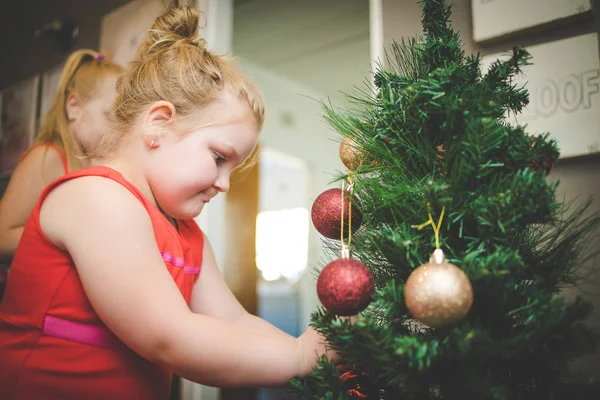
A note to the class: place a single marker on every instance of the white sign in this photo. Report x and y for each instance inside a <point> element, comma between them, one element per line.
<point>564,93</point>
<point>495,18</point>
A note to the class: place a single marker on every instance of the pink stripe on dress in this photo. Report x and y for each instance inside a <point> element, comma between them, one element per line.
<point>78,332</point>
<point>179,262</point>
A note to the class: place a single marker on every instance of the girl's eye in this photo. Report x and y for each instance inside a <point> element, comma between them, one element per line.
<point>219,159</point>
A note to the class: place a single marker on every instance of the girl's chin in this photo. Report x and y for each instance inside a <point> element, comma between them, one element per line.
<point>189,212</point>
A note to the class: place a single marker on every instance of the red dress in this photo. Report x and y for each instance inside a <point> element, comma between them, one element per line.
<point>52,343</point>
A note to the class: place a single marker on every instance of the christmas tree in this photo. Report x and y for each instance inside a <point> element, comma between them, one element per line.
<point>437,169</point>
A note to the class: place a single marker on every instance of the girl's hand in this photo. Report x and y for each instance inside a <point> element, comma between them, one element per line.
<point>312,346</point>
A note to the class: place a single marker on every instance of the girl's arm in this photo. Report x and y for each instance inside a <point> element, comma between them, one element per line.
<point>212,297</point>
<point>109,235</point>
<point>38,168</point>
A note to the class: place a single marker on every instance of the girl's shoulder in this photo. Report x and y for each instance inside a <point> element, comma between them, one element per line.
<point>48,156</point>
<point>41,163</point>
<point>87,203</point>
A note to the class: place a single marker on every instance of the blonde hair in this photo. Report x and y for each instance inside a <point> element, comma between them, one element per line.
<point>173,64</point>
<point>81,74</point>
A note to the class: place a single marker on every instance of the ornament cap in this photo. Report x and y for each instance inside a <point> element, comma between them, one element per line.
<point>345,252</point>
<point>437,257</point>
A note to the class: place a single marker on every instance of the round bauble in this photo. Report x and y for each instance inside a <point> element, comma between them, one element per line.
<point>345,287</point>
<point>351,154</point>
<point>438,293</point>
<point>326,214</point>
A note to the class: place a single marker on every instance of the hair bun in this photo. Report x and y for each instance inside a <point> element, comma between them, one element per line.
<point>177,25</point>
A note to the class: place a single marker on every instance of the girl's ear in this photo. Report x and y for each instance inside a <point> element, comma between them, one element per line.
<point>73,107</point>
<point>157,116</point>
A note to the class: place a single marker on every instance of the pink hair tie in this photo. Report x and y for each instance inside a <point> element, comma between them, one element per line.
<point>99,57</point>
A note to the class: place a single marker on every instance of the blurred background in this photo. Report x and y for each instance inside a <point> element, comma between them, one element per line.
<point>302,54</point>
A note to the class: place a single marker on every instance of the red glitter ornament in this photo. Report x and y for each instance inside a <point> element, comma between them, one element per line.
<point>345,286</point>
<point>326,214</point>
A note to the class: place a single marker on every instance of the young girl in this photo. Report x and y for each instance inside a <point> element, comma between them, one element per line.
<point>113,287</point>
<point>86,91</point>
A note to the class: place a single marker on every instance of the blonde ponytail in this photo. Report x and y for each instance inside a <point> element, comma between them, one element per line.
<point>81,74</point>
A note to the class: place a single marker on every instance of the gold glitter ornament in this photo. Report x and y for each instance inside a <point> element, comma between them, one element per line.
<point>351,154</point>
<point>438,293</point>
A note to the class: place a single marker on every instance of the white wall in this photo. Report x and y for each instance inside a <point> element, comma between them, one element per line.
<point>320,44</point>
